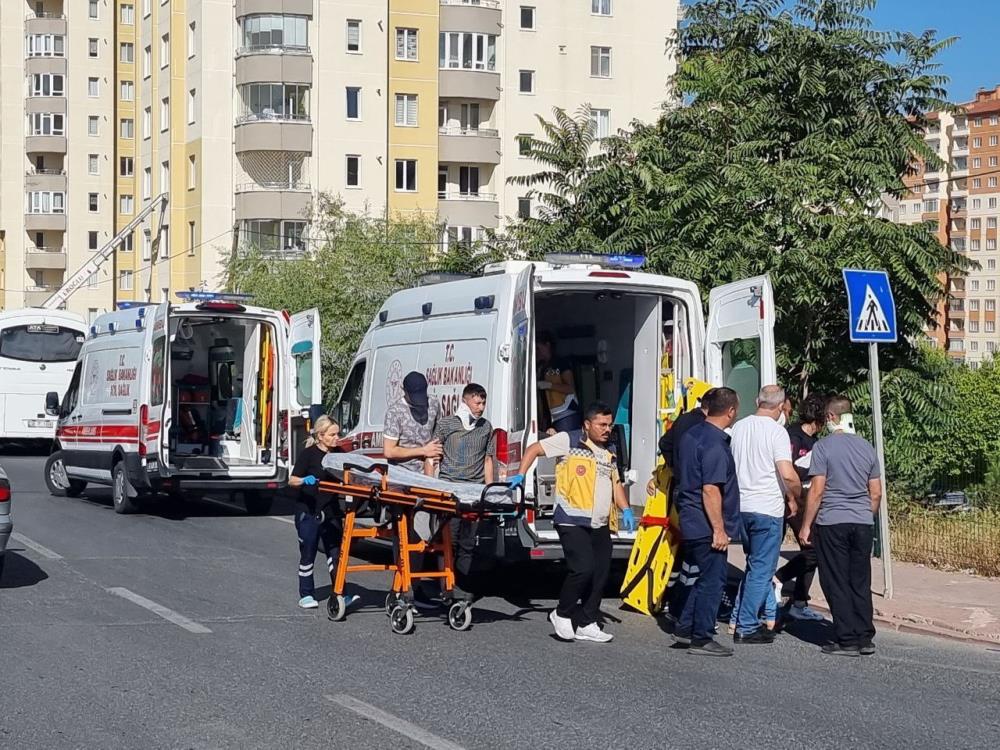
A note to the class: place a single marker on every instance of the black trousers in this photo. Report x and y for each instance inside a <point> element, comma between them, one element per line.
<point>316,532</point>
<point>845,574</point>
<point>588,557</point>
<point>463,544</point>
<point>701,607</point>
<point>802,567</point>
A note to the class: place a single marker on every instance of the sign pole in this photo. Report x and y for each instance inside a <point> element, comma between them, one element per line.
<point>883,508</point>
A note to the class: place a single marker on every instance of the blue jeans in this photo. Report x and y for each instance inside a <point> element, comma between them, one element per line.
<point>761,536</point>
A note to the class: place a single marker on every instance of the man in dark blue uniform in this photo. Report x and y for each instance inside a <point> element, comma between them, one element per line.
<point>708,501</point>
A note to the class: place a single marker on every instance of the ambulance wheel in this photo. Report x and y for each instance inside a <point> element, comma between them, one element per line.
<point>336,607</point>
<point>123,496</point>
<point>401,619</point>
<point>56,480</point>
<point>391,600</point>
<point>258,503</point>
<point>460,616</point>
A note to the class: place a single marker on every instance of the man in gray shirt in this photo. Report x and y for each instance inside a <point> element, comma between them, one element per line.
<point>839,519</point>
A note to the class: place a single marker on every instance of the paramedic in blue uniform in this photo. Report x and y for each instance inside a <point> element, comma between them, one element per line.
<point>317,525</point>
<point>587,488</point>
<point>708,502</point>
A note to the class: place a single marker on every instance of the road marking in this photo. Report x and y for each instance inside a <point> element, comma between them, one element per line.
<point>158,609</point>
<point>400,726</point>
<point>32,545</point>
<point>283,519</point>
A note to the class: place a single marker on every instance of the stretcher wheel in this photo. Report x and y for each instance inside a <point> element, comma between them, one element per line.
<point>401,619</point>
<point>391,600</point>
<point>460,616</point>
<point>336,608</point>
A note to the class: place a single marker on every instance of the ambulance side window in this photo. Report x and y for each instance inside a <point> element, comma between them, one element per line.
<point>349,408</point>
<point>519,359</point>
<point>741,371</point>
<point>158,371</point>
<point>70,399</point>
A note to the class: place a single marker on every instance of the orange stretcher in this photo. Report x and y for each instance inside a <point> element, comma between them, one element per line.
<point>400,504</point>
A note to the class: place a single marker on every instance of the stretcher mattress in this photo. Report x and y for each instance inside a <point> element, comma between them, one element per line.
<point>402,479</point>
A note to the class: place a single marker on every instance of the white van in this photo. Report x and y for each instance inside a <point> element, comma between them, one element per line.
<point>200,396</point>
<point>38,350</point>
<point>622,331</point>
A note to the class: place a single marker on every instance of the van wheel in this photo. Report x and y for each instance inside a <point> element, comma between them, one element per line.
<point>123,495</point>
<point>58,483</point>
<point>258,503</point>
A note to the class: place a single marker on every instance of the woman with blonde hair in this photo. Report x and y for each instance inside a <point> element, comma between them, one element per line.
<point>317,524</point>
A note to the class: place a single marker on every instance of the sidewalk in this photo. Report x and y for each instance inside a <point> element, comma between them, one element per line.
<point>933,602</point>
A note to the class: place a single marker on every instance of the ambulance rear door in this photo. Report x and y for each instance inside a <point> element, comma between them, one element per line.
<point>155,428</point>
<point>739,341</point>
<point>522,423</point>
<point>305,373</point>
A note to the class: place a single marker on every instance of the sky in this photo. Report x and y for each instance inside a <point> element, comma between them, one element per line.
<point>972,61</point>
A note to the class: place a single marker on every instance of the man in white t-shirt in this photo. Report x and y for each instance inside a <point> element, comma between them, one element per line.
<point>766,476</point>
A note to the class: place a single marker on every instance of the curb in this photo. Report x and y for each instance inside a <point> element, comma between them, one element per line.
<point>922,626</point>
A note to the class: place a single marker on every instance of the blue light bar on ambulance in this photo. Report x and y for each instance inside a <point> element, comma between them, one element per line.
<point>193,296</point>
<point>634,262</point>
<point>140,306</point>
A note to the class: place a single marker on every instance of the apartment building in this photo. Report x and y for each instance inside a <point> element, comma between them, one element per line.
<point>56,135</point>
<point>963,198</point>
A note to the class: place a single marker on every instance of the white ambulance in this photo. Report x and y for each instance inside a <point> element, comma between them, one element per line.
<point>201,396</point>
<point>628,336</point>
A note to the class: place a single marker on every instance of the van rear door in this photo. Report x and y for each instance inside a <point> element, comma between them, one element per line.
<point>739,341</point>
<point>305,381</point>
<point>522,422</point>
<point>154,431</point>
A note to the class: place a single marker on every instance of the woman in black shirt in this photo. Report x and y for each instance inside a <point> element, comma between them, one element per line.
<point>317,519</point>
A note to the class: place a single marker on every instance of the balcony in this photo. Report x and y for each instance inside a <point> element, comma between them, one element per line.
<point>468,145</point>
<point>274,64</point>
<point>469,209</point>
<point>45,222</point>
<point>961,147</point>
<point>45,179</point>
<point>287,7</point>
<point>34,65</point>
<point>274,132</point>
<point>481,17</point>
<point>45,23</point>
<point>45,144</point>
<point>35,296</point>
<point>273,200</point>
<point>45,259</point>
<point>458,83</point>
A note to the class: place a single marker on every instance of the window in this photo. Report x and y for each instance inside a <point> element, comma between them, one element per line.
<point>163,251</point>
<point>269,101</point>
<point>600,62</point>
<point>353,35</point>
<point>976,182</point>
<point>991,202</point>
<point>126,204</point>
<point>991,265</point>
<point>977,142</point>
<point>974,245</point>
<point>191,101</point>
<point>601,119</point>
<point>600,7</point>
<point>406,44</point>
<point>127,91</point>
<point>164,50</point>
<point>125,281</point>
<point>145,8</point>
<point>147,61</point>
<point>164,113</point>
<point>147,117</point>
<point>147,183</point>
<point>353,103</point>
<point>991,222</point>
<point>46,123</point>
<point>993,140</point>
<point>527,18</point>
<point>126,166</point>
<point>275,31</point>
<point>353,171</point>
<point>93,125</point>
<point>990,326</point>
<point>92,241</point>
<point>930,206</point>
<point>192,239</point>
<point>956,345</point>
<point>524,208</point>
<point>973,326</point>
<point>990,305</point>
<point>994,119</point>
<point>147,245</point>
<point>442,114</point>
<point>442,181</point>
<point>975,223</point>
<point>406,110</point>
<point>469,116</point>
<point>126,53</point>
<point>128,15</point>
<point>993,161</point>
<point>349,409</point>
<point>991,346</point>
<point>526,81</point>
<point>274,236</point>
<point>192,172</point>
<point>467,50</point>
<point>524,144</point>
<point>468,180</point>
<point>992,182</point>
<point>406,175</point>
<point>93,164</point>
<point>48,84</point>
<point>46,202</point>
<point>46,45</point>
<point>977,163</point>
<point>978,122</point>
<point>974,285</point>
<point>126,128</point>
<point>164,176</point>
<point>92,47</point>
<point>991,244</point>
<point>92,203</point>
<point>976,203</point>
<point>92,12</point>
<point>973,305</point>
<point>991,285</point>
<point>192,39</point>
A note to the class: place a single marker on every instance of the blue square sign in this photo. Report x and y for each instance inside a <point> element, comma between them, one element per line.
<point>870,307</point>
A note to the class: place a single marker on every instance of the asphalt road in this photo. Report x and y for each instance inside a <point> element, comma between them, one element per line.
<point>230,662</point>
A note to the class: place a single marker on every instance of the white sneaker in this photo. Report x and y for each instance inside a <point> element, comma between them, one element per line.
<point>563,626</point>
<point>777,595</point>
<point>307,602</point>
<point>804,612</point>
<point>593,633</point>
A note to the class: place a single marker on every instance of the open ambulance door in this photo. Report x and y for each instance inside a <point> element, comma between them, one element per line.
<point>739,341</point>
<point>155,424</point>
<point>523,420</point>
<point>305,381</point>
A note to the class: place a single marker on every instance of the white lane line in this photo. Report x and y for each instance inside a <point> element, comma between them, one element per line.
<point>401,726</point>
<point>283,519</point>
<point>35,546</point>
<point>158,609</point>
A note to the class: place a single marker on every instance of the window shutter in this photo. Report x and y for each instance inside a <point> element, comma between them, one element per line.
<point>353,36</point>
<point>411,45</point>
<point>400,42</point>
<point>411,110</point>
<point>400,109</point>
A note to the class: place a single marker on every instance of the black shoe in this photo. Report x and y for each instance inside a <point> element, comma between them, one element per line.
<point>710,648</point>
<point>835,649</point>
<point>761,635</point>
<point>682,638</point>
<point>867,649</point>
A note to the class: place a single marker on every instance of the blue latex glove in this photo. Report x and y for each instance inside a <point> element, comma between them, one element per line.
<point>628,522</point>
<point>516,481</point>
<point>310,480</point>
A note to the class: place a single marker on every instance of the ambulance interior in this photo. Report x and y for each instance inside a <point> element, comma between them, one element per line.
<point>629,350</point>
<point>222,394</point>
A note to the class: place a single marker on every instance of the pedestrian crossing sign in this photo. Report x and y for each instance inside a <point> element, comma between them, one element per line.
<point>871,309</point>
